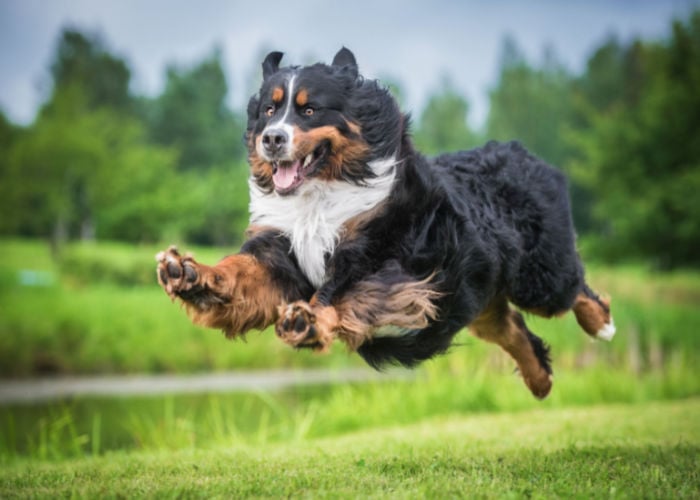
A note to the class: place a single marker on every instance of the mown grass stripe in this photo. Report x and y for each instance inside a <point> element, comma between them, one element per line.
<point>639,451</point>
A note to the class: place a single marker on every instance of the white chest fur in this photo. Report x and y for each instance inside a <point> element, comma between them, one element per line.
<point>312,217</point>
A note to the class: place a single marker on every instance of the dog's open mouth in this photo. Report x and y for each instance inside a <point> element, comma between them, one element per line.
<point>289,175</point>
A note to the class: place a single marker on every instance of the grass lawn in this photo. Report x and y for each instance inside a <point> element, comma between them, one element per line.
<point>622,419</point>
<point>626,451</point>
<point>98,309</point>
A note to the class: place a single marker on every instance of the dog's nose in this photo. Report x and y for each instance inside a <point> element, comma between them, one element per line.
<point>274,140</point>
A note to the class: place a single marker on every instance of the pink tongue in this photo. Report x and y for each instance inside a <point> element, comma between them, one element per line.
<point>285,175</point>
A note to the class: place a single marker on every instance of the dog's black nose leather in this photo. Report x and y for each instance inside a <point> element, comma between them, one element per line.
<point>274,140</point>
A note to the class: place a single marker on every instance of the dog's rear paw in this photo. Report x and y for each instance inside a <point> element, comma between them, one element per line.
<point>539,386</point>
<point>297,326</point>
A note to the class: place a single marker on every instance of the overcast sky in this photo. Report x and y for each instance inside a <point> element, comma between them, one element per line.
<point>415,43</point>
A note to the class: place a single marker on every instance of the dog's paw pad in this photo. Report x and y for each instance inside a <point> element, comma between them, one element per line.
<point>297,326</point>
<point>176,274</point>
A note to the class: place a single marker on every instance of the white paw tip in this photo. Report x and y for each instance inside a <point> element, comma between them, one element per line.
<point>607,332</point>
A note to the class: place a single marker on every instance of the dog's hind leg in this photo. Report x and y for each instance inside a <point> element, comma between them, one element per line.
<point>501,325</point>
<point>593,314</point>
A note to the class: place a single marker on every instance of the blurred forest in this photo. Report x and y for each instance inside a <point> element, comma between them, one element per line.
<point>102,163</point>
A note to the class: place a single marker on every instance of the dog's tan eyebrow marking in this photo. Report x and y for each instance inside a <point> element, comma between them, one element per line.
<point>277,95</point>
<point>302,98</point>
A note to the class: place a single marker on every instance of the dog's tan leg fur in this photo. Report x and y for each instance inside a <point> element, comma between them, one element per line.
<point>594,316</point>
<point>236,295</point>
<point>499,324</point>
<point>356,315</point>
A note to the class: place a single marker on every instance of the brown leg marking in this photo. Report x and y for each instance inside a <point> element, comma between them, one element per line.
<point>372,304</point>
<point>501,325</point>
<point>235,295</point>
<point>354,318</point>
<point>593,315</point>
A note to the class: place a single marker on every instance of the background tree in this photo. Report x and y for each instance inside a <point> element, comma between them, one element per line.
<point>9,187</point>
<point>531,105</point>
<point>192,116</point>
<point>85,160</point>
<point>443,123</point>
<point>88,173</point>
<point>642,155</point>
<point>535,106</point>
<point>100,162</point>
<point>603,83</point>
<point>83,60</point>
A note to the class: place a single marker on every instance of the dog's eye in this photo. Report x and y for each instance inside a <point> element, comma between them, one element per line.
<point>308,111</point>
<point>269,111</point>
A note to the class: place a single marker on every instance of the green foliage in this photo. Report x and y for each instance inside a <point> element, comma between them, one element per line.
<point>399,430</point>
<point>88,265</point>
<point>102,312</point>
<point>98,309</point>
<point>86,171</point>
<point>191,115</point>
<point>443,123</point>
<point>613,76</point>
<point>531,105</point>
<point>534,105</point>
<point>218,211</point>
<point>99,162</point>
<point>81,58</point>
<point>90,167</point>
<point>636,451</point>
<point>9,134</point>
<point>641,154</point>
<point>626,131</point>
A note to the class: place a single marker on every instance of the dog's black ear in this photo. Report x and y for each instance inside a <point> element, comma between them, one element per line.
<point>271,63</point>
<point>346,60</point>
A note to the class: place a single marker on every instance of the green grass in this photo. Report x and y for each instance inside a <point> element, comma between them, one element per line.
<point>100,311</point>
<point>636,451</point>
<point>75,325</point>
<point>95,426</point>
<point>464,426</point>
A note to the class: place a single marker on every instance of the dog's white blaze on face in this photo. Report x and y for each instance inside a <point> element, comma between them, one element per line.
<point>313,217</point>
<point>281,123</point>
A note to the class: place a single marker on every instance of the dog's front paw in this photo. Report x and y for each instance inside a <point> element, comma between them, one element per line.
<point>177,274</point>
<point>182,277</point>
<point>298,326</point>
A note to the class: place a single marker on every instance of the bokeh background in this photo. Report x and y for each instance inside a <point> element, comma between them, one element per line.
<point>121,129</point>
<point>110,109</point>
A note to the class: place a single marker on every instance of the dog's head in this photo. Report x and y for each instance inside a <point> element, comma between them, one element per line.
<point>318,122</point>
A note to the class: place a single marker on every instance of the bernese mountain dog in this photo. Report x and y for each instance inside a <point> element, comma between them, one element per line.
<point>354,235</point>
